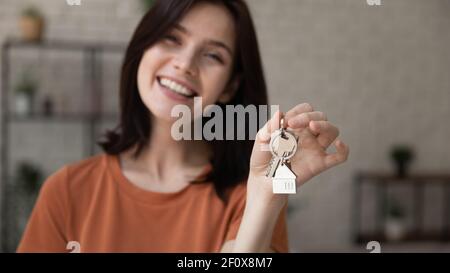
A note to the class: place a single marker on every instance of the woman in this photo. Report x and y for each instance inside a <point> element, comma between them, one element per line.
<point>150,193</point>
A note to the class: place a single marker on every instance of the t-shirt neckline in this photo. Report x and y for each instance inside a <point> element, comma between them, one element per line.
<point>146,196</point>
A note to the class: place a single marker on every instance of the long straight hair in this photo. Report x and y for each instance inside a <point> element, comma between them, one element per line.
<point>231,159</point>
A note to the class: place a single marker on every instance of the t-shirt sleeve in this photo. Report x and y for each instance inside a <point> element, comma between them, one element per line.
<point>47,225</point>
<point>280,234</point>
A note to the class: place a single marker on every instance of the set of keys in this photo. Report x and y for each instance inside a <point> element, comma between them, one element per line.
<point>283,146</point>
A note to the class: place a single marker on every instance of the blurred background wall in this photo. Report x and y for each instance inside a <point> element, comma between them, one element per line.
<point>381,73</point>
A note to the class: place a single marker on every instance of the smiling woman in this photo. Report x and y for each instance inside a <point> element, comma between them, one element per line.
<point>194,58</point>
<point>151,193</point>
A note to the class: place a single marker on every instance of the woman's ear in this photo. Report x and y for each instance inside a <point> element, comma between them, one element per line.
<point>230,90</point>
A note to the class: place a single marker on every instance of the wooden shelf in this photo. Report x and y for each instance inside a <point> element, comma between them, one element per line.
<point>380,177</point>
<point>92,56</point>
<point>418,182</point>
<point>411,236</point>
<point>63,117</point>
<point>63,45</point>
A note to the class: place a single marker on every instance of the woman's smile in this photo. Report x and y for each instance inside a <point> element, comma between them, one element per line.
<point>176,89</point>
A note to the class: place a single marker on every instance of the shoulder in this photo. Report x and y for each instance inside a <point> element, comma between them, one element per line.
<point>88,166</point>
<point>74,177</point>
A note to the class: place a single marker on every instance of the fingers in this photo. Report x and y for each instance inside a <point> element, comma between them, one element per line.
<point>341,155</point>
<point>299,109</point>
<point>264,134</point>
<point>303,120</point>
<point>261,151</point>
<point>326,132</point>
<point>275,122</point>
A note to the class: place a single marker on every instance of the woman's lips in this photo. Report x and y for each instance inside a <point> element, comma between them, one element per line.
<point>179,86</point>
<point>173,95</point>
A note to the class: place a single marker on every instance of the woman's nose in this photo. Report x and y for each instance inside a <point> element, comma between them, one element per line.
<point>185,63</point>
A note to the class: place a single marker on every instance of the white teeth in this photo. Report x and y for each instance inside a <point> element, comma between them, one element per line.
<point>176,87</point>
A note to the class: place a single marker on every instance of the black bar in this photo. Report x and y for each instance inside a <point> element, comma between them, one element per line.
<point>179,262</point>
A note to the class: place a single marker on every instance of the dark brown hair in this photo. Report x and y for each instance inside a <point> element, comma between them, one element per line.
<point>231,159</point>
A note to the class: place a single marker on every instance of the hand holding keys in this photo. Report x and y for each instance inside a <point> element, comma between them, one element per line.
<point>298,151</point>
<point>283,145</point>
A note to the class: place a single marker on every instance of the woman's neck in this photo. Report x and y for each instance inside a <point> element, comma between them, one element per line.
<point>168,161</point>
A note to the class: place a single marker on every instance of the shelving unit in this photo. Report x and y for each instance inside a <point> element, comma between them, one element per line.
<point>417,184</point>
<point>92,82</point>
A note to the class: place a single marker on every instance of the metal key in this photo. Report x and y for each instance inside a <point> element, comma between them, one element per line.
<point>273,166</point>
<point>283,145</point>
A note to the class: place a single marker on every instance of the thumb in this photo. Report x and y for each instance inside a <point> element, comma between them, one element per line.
<point>261,154</point>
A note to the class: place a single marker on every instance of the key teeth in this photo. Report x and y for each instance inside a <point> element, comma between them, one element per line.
<point>271,170</point>
<point>269,167</point>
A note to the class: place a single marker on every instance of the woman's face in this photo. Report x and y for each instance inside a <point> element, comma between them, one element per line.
<point>194,59</point>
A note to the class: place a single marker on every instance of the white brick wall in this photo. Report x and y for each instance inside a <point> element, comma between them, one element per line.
<point>380,73</point>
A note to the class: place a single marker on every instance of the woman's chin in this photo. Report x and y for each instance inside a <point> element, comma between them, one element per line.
<point>164,111</point>
<point>162,106</point>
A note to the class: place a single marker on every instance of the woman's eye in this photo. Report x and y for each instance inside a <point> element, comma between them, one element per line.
<point>215,57</point>
<point>172,39</point>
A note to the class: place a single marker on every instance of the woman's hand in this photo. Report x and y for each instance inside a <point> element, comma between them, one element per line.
<point>315,134</point>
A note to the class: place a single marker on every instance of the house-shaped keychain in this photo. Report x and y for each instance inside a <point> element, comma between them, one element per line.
<point>284,181</point>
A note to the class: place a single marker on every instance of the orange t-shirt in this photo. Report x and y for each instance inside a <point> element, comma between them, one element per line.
<point>92,202</point>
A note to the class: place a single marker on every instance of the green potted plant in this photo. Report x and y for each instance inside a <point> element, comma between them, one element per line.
<point>28,180</point>
<point>28,177</point>
<point>25,91</point>
<point>31,24</point>
<point>402,155</point>
<point>395,225</point>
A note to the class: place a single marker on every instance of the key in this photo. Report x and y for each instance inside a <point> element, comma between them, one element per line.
<point>273,166</point>
<point>279,148</point>
<point>283,144</point>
